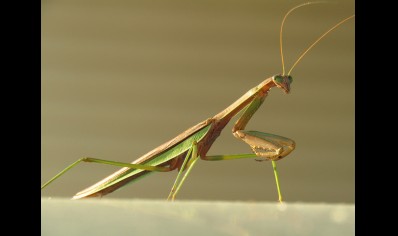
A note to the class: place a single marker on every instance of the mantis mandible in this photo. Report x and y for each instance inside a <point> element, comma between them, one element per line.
<point>183,151</point>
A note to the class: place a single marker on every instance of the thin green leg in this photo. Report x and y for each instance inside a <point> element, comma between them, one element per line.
<point>194,160</point>
<point>229,157</point>
<point>241,156</point>
<point>114,163</point>
<point>277,181</point>
<point>189,162</point>
<point>173,189</point>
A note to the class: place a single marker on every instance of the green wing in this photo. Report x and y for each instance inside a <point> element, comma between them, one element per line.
<point>175,147</point>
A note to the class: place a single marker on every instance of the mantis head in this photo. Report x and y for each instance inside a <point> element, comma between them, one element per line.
<point>283,82</point>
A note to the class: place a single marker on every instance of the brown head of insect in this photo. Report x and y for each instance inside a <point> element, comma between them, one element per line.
<point>283,82</point>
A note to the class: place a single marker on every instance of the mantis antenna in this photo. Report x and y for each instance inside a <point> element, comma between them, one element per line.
<point>313,44</point>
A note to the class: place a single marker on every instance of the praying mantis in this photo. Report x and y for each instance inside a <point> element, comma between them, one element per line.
<point>182,152</point>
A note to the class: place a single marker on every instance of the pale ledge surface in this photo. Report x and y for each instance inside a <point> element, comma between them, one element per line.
<point>158,217</point>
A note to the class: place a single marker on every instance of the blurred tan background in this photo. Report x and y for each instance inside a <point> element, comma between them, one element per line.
<point>120,78</point>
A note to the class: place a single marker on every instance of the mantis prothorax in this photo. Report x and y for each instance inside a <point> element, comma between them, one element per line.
<point>183,151</point>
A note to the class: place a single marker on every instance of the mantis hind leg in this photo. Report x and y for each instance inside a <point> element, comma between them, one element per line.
<point>114,163</point>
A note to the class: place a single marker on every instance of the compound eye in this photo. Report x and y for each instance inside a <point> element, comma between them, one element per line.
<point>278,79</point>
<point>290,79</point>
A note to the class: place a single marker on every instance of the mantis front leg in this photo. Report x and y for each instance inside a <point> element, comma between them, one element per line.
<point>270,146</point>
